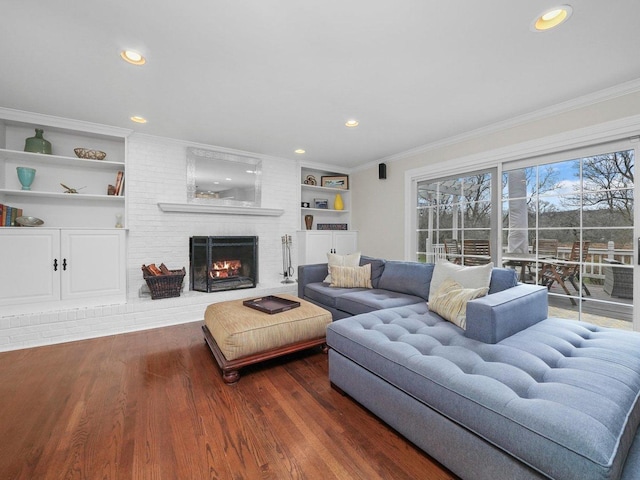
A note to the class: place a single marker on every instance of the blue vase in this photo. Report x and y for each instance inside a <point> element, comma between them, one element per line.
<point>26,175</point>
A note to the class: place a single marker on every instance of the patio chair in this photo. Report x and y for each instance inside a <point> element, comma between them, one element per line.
<point>571,271</point>
<point>618,279</point>
<point>477,252</point>
<point>452,250</point>
<point>545,249</point>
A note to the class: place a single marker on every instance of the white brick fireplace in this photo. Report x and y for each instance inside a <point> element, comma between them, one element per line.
<point>156,172</point>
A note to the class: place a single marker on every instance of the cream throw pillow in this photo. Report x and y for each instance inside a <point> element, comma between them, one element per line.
<point>351,260</point>
<point>351,277</point>
<point>468,277</point>
<point>450,301</point>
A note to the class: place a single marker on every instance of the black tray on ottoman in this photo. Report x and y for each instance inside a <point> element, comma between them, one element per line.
<point>271,304</point>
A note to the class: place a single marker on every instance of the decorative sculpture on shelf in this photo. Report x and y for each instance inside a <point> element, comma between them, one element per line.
<point>287,267</point>
<point>71,190</point>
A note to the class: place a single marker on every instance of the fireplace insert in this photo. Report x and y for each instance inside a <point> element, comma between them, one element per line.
<point>223,263</point>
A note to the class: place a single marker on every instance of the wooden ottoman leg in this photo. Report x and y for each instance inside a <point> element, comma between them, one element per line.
<point>230,376</point>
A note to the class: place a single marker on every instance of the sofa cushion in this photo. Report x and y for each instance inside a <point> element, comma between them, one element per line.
<point>450,301</point>
<point>363,301</point>
<point>351,277</point>
<point>377,267</point>
<point>467,276</point>
<point>561,396</point>
<point>350,260</point>
<point>322,294</point>
<point>412,278</point>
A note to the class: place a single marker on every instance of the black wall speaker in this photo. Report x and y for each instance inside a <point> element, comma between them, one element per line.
<point>382,171</point>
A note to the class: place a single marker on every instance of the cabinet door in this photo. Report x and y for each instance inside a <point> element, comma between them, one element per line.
<point>29,265</point>
<point>314,246</point>
<point>93,263</point>
<point>345,243</point>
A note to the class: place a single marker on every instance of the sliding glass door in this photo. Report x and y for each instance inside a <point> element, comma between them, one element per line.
<point>565,221</point>
<point>569,225</point>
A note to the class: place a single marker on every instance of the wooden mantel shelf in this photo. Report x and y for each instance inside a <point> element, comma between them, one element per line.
<point>219,209</point>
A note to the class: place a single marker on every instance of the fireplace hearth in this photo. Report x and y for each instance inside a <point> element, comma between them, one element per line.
<point>223,263</point>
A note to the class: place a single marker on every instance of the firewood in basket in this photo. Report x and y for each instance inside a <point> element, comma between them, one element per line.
<point>165,270</point>
<point>155,271</point>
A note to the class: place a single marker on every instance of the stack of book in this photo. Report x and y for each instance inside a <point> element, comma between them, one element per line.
<point>119,183</point>
<point>8,215</point>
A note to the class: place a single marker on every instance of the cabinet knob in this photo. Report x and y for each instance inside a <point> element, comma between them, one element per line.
<point>55,264</point>
<point>64,264</point>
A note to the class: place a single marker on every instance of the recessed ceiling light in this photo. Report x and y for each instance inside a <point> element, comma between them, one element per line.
<point>352,123</point>
<point>132,57</point>
<point>138,119</point>
<point>299,151</point>
<point>551,18</point>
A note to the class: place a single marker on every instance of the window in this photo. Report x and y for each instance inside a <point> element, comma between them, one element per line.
<point>455,218</point>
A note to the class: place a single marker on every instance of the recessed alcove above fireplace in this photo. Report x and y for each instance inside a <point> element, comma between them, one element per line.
<point>223,263</point>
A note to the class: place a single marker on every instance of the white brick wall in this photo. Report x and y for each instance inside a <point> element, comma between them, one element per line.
<point>156,172</point>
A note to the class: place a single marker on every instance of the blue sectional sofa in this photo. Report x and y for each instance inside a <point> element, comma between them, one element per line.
<point>516,395</point>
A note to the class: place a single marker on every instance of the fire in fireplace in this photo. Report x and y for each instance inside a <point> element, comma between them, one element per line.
<point>225,269</point>
<point>223,263</point>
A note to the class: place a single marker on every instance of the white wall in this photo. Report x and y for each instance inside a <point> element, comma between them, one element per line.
<point>156,172</point>
<point>383,200</point>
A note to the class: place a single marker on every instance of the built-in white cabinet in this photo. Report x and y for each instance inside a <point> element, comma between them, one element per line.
<point>47,267</point>
<point>47,198</point>
<point>313,245</point>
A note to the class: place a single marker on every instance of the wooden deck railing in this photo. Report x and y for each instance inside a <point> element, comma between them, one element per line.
<point>593,265</point>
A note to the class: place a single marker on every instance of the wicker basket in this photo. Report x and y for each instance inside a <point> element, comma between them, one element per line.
<point>165,286</point>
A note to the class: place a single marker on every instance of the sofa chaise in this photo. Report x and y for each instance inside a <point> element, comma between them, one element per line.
<point>513,395</point>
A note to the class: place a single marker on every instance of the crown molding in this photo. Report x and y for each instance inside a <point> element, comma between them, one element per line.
<point>616,91</point>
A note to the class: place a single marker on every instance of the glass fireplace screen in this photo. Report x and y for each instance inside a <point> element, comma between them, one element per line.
<point>223,263</point>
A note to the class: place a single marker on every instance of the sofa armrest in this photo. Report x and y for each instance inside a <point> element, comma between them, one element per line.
<point>495,317</point>
<point>313,273</point>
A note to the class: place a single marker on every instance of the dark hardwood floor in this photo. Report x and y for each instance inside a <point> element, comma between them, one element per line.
<point>152,405</point>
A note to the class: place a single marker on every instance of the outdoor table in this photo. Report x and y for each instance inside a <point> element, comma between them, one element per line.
<point>522,260</point>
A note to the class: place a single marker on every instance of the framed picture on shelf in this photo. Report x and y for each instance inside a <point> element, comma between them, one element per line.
<point>336,181</point>
<point>332,226</point>
<point>320,203</point>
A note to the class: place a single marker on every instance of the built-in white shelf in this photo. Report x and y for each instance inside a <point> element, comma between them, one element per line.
<point>35,159</point>
<point>323,210</point>
<point>67,196</point>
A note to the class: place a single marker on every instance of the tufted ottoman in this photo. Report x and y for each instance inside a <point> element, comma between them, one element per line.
<point>239,336</point>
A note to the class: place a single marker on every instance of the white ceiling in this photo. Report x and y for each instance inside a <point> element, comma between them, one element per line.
<point>271,76</point>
